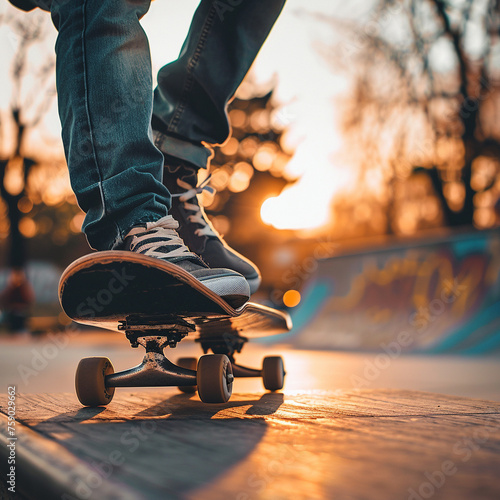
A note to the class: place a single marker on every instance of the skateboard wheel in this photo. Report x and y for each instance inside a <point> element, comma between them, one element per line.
<point>190,364</point>
<point>90,381</point>
<point>214,378</point>
<point>273,373</point>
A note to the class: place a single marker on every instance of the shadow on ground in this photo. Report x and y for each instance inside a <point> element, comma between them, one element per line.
<point>163,449</point>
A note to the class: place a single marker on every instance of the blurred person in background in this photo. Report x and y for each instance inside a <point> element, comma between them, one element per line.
<point>16,300</point>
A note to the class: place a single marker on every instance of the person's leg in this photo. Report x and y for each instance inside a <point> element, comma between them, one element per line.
<point>104,87</point>
<point>103,74</point>
<point>191,98</point>
<point>190,112</point>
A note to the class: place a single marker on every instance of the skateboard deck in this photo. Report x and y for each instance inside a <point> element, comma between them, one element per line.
<point>156,304</point>
<point>108,288</point>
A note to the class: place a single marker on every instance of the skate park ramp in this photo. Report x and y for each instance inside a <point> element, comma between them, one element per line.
<point>438,295</point>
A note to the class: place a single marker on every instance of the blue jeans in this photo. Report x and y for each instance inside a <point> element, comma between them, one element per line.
<point>105,96</point>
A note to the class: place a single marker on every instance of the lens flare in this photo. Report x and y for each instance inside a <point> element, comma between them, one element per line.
<point>291,298</point>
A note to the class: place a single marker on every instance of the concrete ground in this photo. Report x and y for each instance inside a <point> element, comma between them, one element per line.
<point>48,364</point>
<point>347,426</point>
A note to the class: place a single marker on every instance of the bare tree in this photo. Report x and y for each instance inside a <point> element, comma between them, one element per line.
<point>427,80</point>
<point>28,104</point>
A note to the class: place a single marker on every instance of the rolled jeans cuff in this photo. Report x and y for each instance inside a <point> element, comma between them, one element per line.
<point>198,155</point>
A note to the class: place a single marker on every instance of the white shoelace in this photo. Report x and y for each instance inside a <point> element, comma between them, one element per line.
<point>197,216</point>
<point>165,234</point>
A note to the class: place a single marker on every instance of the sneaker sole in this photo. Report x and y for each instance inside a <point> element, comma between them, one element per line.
<point>232,289</point>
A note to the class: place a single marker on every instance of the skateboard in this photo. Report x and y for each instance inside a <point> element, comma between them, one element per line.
<point>156,304</point>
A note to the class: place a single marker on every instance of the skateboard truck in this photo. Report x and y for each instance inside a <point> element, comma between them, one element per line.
<point>155,369</point>
<point>229,344</point>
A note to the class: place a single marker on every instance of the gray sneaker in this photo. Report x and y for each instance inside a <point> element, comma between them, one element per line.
<point>195,228</point>
<point>160,240</point>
